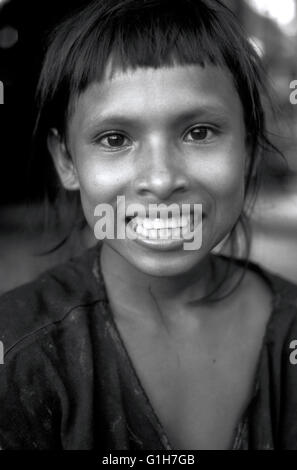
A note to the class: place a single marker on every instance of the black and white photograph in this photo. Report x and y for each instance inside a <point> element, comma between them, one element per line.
<point>148,228</point>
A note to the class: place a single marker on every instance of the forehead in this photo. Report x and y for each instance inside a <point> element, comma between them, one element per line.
<point>161,94</point>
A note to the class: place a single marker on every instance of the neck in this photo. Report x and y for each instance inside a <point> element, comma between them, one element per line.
<point>133,293</point>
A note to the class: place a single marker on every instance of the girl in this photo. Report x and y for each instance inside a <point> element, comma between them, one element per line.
<point>141,343</point>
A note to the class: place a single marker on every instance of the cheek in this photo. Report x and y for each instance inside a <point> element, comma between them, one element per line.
<point>99,184</point>
<point>229,190</point>
<point>230,185</point>
<point>224,181</point>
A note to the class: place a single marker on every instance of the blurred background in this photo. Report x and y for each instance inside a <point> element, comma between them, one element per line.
<point>272,28</point>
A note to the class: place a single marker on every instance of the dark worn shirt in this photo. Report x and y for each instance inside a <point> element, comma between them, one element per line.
<point>68,382</point>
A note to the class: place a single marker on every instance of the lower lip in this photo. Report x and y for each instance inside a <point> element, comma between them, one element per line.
<point>158,245</point>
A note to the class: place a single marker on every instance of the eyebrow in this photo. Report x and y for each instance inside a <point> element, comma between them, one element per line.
<point>218,112</point>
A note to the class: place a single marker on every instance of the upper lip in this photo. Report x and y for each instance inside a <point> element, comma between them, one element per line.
<point>132,214</point>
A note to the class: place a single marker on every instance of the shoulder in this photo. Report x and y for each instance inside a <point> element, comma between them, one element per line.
<point>47,300</point>
<point>279,362</point>
<point>282,324</point>
<point>283,309</point>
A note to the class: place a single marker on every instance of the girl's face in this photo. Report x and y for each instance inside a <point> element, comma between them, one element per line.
<point>166,135</point>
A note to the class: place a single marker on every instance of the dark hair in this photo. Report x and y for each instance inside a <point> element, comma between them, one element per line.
<point>145,33</point>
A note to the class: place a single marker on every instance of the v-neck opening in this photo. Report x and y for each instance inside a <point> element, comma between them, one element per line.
<point>152,415</point>
<point>150,411</point>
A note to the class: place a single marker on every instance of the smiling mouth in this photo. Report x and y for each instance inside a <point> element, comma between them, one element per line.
<point>171,228</point>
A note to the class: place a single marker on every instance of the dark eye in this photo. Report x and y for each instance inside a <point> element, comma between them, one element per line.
<point>114,141</point>
<point>199,134</point>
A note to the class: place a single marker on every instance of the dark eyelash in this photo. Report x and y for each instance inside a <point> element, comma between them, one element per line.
<point>209,127</point>
<point>98,138</point>
<point>202,126</point>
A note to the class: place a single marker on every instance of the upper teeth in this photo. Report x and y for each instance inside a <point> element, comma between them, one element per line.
<point>156,224</point>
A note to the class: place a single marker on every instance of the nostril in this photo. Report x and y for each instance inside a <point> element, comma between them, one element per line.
<point>182,188</point>
<point>162,185</point>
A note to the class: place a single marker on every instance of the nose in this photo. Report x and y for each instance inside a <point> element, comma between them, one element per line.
<point>162,174</point>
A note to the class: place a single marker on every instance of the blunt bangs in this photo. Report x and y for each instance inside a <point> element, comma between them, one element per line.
<point>145,33</point>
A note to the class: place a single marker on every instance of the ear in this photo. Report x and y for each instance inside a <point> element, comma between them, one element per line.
<point>62,161</point>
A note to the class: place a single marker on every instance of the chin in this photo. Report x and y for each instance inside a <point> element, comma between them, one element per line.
<point>166,264</point>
